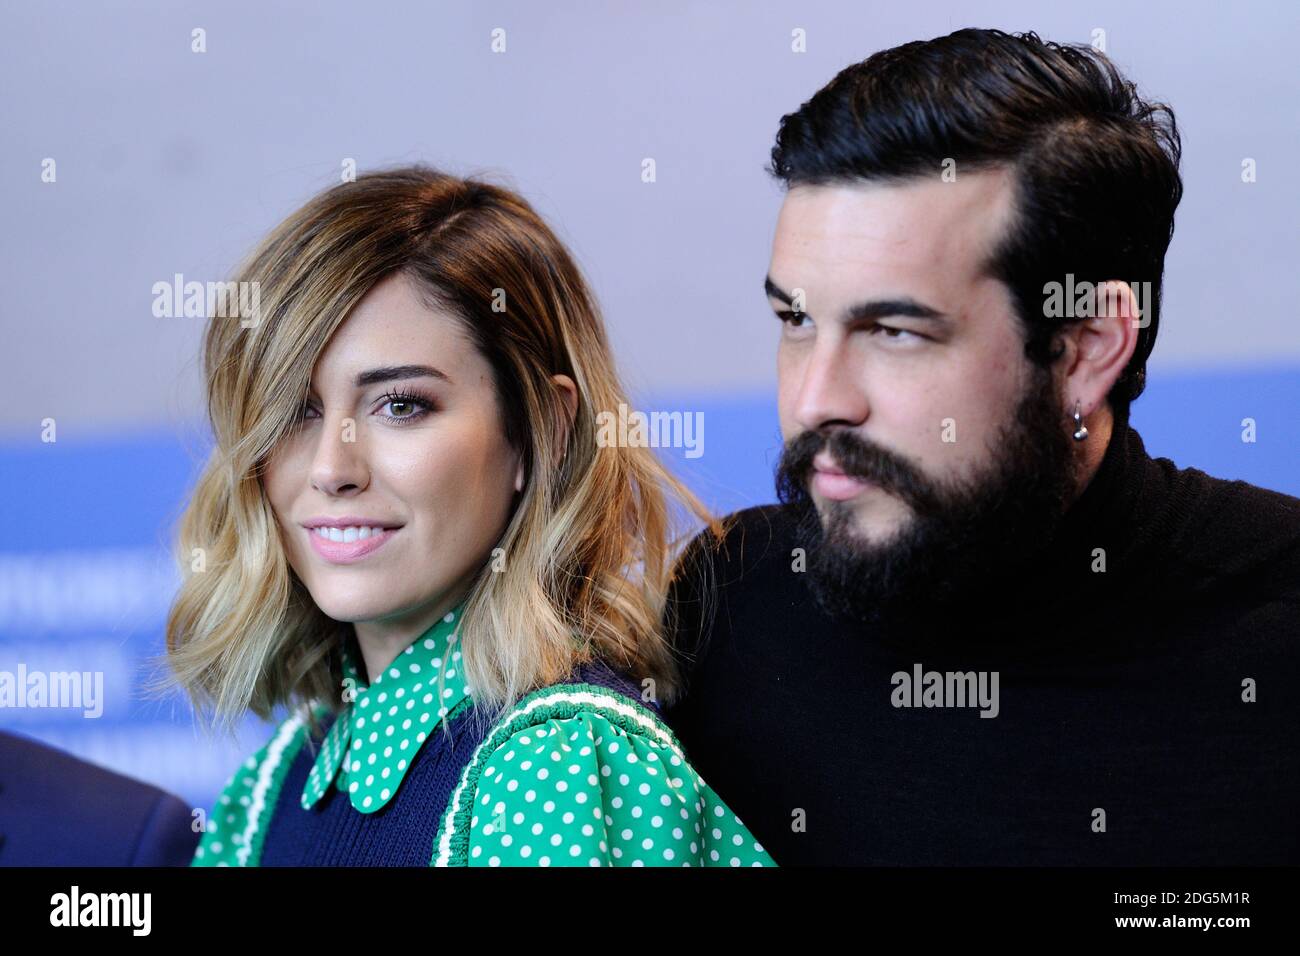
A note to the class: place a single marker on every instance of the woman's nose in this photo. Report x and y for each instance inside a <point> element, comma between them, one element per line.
<point>339,464</point>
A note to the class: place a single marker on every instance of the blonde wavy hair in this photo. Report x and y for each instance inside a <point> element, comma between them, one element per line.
<point>591,542</point>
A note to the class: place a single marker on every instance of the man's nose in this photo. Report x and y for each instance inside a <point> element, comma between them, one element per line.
<point>831,391</point>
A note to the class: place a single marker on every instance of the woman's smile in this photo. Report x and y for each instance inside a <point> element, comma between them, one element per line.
<point>350,544</point>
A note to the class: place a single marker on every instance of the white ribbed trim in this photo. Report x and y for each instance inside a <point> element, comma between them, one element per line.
<point>257,800</point>
<point>605,700</point>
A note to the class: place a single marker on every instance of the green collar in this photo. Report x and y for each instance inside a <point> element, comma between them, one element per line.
<point>386,723</point>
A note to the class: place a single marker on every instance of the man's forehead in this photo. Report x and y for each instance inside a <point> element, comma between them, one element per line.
<point>920,224</point>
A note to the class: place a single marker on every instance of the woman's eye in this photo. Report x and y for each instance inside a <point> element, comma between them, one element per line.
<point>405,408</point>
<point>399,408</point>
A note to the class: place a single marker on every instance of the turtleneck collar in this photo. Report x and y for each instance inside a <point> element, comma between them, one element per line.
<point>1093,557</point>
<point>1104,551</point>
<point>1109,502</point>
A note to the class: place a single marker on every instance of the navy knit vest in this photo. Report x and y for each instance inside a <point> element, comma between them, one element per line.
<point>334,833</point>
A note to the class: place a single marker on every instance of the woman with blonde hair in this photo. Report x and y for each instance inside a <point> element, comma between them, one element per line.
<point>409,536</point>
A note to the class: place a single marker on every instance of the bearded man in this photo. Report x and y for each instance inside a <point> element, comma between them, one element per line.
<point>984,626</point>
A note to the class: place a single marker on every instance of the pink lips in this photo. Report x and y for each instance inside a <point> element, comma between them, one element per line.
<point>829,482</point>
<point>349,552</point>
<point>838,487</point>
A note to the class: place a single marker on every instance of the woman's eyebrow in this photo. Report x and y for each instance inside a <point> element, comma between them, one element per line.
<point>388,373</point>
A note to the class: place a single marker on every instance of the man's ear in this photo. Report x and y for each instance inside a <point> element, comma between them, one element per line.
<point>1098,349</point>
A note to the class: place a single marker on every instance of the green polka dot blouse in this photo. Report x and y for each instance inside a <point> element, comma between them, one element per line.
<point>572,775</point>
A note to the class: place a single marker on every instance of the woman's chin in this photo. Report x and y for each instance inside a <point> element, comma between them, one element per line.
<point>356,604</point>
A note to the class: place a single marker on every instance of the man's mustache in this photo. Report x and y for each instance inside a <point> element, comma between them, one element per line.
<point>857,458</point>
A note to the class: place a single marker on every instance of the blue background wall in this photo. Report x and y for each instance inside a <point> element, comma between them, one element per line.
<point>85,580</point>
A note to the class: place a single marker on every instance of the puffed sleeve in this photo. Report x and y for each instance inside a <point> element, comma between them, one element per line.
<point>582,791</point>
<point>235,826</point>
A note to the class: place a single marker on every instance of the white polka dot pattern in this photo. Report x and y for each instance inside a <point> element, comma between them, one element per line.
<point>573,775</point>
<point>594,789</point>
<point>238,821</point>
<point>375,739</point>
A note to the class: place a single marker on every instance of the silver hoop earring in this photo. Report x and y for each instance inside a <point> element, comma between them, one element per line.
<point>1080,429</point>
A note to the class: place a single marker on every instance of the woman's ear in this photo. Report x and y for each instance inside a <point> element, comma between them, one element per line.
<point>569,393</point>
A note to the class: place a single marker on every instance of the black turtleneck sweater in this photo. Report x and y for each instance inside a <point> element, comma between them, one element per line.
<point>1124,733</point>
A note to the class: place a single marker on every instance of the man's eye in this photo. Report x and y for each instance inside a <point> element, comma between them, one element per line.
<point>793,319</point>
<point>896,334</point>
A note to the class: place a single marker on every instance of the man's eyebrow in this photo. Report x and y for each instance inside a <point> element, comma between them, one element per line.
<point>882,308</point>
<point>390,372</point>
<point>871,309</point>
<point>776,292</point>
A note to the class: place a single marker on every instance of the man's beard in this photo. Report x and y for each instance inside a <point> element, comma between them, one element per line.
<point>965,541</point>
